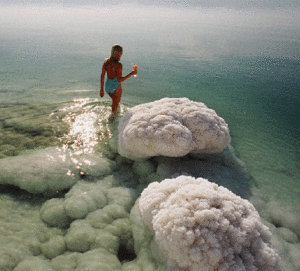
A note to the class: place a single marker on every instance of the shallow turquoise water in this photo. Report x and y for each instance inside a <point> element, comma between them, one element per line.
<point>259,98</point>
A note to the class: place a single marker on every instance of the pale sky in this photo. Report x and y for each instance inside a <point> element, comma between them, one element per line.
<point>233,4</point>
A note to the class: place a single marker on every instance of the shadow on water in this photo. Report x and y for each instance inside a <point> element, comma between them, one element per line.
<point>20,195</point>
<point>125,255</point>
<point>224,169</point>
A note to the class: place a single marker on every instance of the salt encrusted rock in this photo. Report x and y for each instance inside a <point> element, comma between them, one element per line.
<point>34,263</point>
<point>171,127</point>
<point>199,225</point>
<point>80,236</point>
<point>54,247</point>
<point>84,198</point>
<point>52,169</point>
<point>54,213</point>
<point>45,170</point>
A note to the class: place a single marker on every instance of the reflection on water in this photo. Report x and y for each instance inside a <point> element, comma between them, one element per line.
<point>82,136</point>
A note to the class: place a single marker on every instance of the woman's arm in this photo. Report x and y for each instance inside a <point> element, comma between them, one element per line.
<point>123,78</point>
<point>102,77</point>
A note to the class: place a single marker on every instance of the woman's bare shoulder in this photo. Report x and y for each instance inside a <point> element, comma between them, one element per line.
<point>106,62</point>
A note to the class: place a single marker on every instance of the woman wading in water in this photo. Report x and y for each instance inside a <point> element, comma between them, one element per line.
<point>114,78</point>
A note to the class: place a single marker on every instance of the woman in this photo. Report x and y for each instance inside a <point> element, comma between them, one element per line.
<point>114,78</point>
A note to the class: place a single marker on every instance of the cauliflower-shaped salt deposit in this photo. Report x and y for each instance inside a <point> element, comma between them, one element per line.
<point>202,226</point>
<point>93,215</point>
<point>172,127</point>
<point>82,199</point>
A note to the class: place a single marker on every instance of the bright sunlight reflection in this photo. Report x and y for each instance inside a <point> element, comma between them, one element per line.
<point>86,124</point>
<point>89,131</point>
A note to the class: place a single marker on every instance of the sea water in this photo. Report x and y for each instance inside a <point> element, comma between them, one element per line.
<point>243,64</point>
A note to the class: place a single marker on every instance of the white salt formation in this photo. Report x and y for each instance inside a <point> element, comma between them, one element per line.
<point>95,217</point>
<point>51,169</point>
<point>82,199</point>
<point>199,225</point>
<point>94,226</point>
<point>43,170</point>
<point>171,127</point>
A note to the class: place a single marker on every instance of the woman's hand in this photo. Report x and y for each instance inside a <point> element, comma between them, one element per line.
<point>134,69</point>
<point>101,92</point>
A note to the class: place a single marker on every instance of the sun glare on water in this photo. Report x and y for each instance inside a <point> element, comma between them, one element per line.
<point>86,126</point>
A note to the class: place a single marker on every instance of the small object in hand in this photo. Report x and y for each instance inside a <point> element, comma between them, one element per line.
<point>135,67</point>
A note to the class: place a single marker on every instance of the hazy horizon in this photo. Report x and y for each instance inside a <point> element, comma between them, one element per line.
<point>232,4</point>
<point>210,32</point>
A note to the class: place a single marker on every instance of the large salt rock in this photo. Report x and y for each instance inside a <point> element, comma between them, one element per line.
<point>171,127</point>
<point>199,225</point>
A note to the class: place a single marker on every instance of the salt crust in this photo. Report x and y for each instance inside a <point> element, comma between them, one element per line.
<point>29,127</point>
<point>171,127</point>
<point>51,169</point>
<point>25,237</point>
<point>199,225</point>
<point>88,243</point>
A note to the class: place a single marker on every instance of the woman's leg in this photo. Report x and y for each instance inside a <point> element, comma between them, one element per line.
<point>116,98</point>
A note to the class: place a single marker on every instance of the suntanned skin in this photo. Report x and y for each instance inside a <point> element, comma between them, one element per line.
<point>113,61</point>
